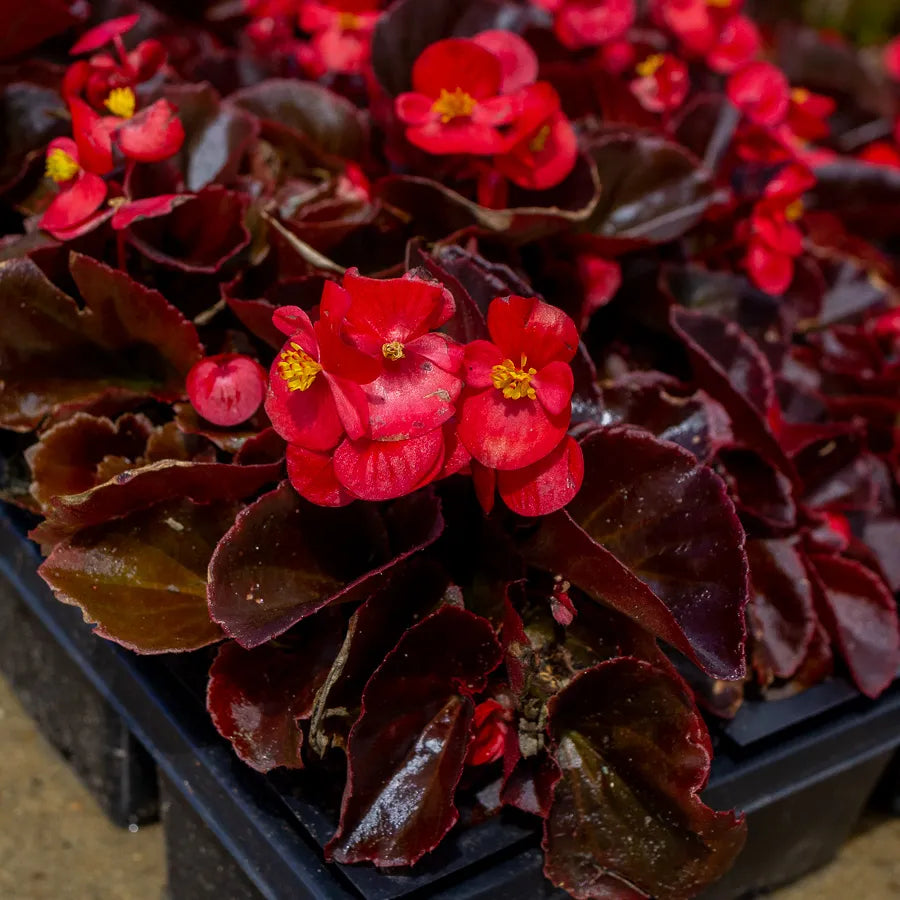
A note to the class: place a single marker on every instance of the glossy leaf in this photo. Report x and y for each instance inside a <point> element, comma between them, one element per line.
<point>653,534</point>
<point>286,558</point>
<point>142,578</point>
<point>781,612</point>
<point>861,617</point>
<point>406,752</point>
<point>126,340</point>
<point>626,819</point>
<point>257,698</point>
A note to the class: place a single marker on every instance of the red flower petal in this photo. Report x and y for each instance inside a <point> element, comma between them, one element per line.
<point>93,135</point>
<point>890,56</point>
<point>527,325</point>
<point>395,309</point>
<point>412,395</point>
<point>295,322</point>
<point>690,22</point>
<point>771,271</point>
<point>148,208</point>
<point>554,385</point>
<point>761,92</point>
<point>154,134</point>
<point>504,433</point>
<point>485,482</point>
<point>518,62</point>
<point>413,109</point>
<point>457,63</point>
<point>489,727</point>
<point>74,204</point>
<point>383,470</point>
<point>480,359</point>
<point>457,136</point>
<point>312,476</point>
<point>308,418</point>
<point>544,157</point>
<point>104,32</point>
<point>588,23</point>
<point>340,358</point>
<point>351,404</point>
<point>738,43</point>
<point>547,485</point>
<point>226,389</point>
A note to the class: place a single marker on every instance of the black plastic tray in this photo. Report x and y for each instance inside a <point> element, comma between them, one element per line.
<point>801,768</point>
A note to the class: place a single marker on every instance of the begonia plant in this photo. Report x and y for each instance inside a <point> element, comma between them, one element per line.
<point>482,387</point>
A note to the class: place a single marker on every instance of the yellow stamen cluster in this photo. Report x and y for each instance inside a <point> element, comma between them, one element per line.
<point>720,4</point>
<point>60,166</point>
<point>451,105</point>
<point>121,102</point>
<point>392,350</point>
<point>539,141</point>
<point>297,368</point>
<point>514,381</point>
<point>650,65</point>
<point>793,211</point>
<point>348,21</point>
<point>800,95</point>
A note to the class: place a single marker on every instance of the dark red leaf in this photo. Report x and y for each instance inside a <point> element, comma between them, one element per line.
<point>200,235</point>
<point>142,578</point>
<point>529,786</point>
<point>412,590</point>
<point>406,753</point>
<point>626,819</point>
<point>286,558</point>
<point>25,25</point>
<point>216,136</point>
<point>763,495</point>
<point>328,125</point>
<point>438,210</point>
<point>659,404</point>
<point>653,190</point>
<point>125,339</point>
<point>781,612</point>
<point>257,698</point>
<point>730,367</point>
<point>861,617</point>
<point>653,534</point>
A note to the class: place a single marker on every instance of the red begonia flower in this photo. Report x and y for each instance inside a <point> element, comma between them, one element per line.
<point>662,82</point>
<point>689,20</point>
<point>96,78</point>
<point>881,153</point>
<point>738,43</point>
<point>341,32</point>
<point>312,475</point>
<point>154,134</point>
<point>518,62</point>
<point>226,389</point>
<point>542,146</point>
<point>393,321</point>
<point>81,193</point>
<point>456,105</point>
<point>890,56</point>
<point>383,470</point>
<point>617,56</point>
<point>314,395</point>
<point>547,485</point>
<point>93,135</point>
<point>808,114</point>
<point>761,92</point>
<point>489,727</point>
<point>517,403</point>
<point>600,279</point>
<point>589,23</point>
<point>103,33</point>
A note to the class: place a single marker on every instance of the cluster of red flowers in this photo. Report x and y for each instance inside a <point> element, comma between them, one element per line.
<point>479,97</point>
<point>375,402</point>
<point>109,123</point>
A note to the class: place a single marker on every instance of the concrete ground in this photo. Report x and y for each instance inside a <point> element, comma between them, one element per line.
<point>55,844</point>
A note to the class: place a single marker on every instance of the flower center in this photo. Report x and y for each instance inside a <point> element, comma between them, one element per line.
<point>515,382</point>
<point>348,21</point>
<point>451,105</point>
<point>800,96</point>
<point>297,368</point>
<point>793,211</point>
<point>60,166</point>
<point>650,65</point>
<point>393,350</point>
<point>539,141</point>
<point>121,102</point>
<point>720,4</point>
